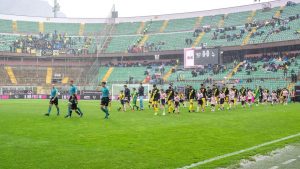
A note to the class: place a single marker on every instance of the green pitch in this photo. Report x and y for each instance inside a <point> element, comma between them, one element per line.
<point>137,139</point>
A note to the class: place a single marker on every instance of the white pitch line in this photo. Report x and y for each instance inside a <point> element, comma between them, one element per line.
<point>274,167</point>
<point>288,161</point>
<point>299,156</point>
<point>239,152</point>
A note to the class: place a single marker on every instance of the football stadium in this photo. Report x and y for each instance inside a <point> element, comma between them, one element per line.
<point>213,89</point>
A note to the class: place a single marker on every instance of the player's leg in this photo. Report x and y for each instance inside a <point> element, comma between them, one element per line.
<point>79,110</point>
<point>249,102</point>
<point>56,105</point>
<point>203,104</point>
<point>49,109</point>
<point>57,108</point>
<point>135,104</point>
<point>163,107</point>
<point>69,114</point>
<point>221,104</point>
<point>212,107</point>
<point>104,106</point>
<point>178,107</point>
<point>150,103</point>
<point>170,106</point>
<point>51,102</point>
<point>234,102</point>
<point>155,107</point>
<point>191,106</point>
<point>198,105</point>
<point>141,103</point>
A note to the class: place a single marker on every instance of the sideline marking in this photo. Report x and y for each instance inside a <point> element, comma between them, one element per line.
<point>274,167</point>
<point>288,161</point>
<point>238,152</point>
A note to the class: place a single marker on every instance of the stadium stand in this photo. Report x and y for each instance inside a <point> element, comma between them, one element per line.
<point>29,75</point>
<point>27,27</point>
<point>65,28</point>
<point>93,28</point>
<point>122,43</point>
<point>125,35</point>
<point>122,74</point>
<point>5,26</point>
<point>153,26</point>
<point>220,30</point>
<point>236,19</point>
<point>177,25</point>
<point>126,28</point>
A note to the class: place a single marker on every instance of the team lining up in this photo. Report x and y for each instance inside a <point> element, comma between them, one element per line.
<point>200,99</point>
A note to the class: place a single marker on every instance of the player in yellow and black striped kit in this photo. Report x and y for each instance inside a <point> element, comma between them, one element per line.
<point>170,99</point>
<point>191,97</point>
<point>204,98</point>
<point>155,96</point>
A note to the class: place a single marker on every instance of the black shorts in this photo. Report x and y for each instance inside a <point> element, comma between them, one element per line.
<point>54,101</point>
<point>127,99</point>
<point>163,101</point>
<point>176,104</point>
<point>284,97</point>
<point>249,100</point>
<point>123,102</point>
<point>200,102</point>
<point>73,106</point>
<point>181,101</point>
<point>104,101</point>
<point>243,102</point>
<point>231,101</point>
<point>222,100</point>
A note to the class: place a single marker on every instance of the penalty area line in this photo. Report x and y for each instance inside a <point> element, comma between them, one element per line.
<point>238,152</point>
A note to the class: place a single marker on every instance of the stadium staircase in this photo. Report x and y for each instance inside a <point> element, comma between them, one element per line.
<point>168,74</point>
<point>278,13</point>
<point>198,39</point>
<point>144,39</point>
<point>11,74</point>
<point>164,25</point>
<point>250,18</point>
<point>49,75</point>
<point>14,26</point>
<point>141,28</point>
<point>41,27</point>
<point>81,29</point>
<point>65,80</point>
<point>109,30</point>
<point>222,21</point>
<point>198,22</point>
<point>108,73</point>
<point>247,38</point>
<point>230,74</point>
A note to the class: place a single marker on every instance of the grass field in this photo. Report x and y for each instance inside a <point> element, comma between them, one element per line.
<point>137,139</point>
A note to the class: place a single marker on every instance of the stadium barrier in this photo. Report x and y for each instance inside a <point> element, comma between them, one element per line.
<point>39,96</point>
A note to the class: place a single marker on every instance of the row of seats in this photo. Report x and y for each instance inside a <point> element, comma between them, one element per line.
<point>176,40</point>
<point>174,25</point>
<point>122,74</point>
<point>29,75</point>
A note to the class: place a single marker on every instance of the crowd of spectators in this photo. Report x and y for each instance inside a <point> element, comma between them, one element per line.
<point>148,47</point>
<point>52,41</point>
<point>225,33</point>
<point>148,64</point>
